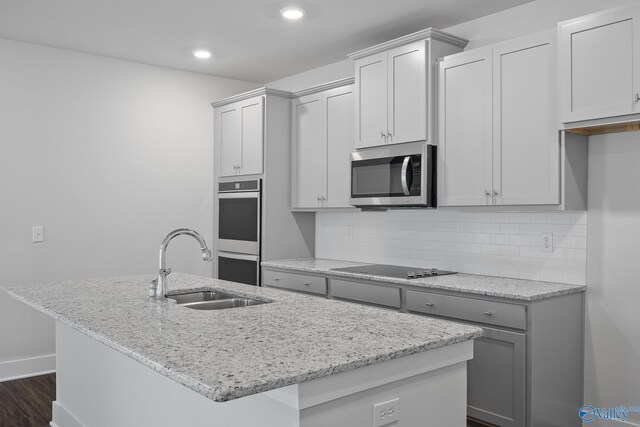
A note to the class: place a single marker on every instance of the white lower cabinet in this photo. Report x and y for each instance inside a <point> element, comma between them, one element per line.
<point>321,147</point>
<point>496,378</point>
<point>295,282</point>
<point>364,292</point>
<point>498,136</point>
<point>526,370</point>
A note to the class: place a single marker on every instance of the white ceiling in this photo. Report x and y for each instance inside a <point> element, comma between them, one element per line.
<point>249,39</point>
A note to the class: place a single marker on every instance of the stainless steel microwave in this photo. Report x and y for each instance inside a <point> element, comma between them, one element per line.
<point>394,176</point>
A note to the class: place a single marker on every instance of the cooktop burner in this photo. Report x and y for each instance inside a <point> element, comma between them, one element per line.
<point>395,271</point>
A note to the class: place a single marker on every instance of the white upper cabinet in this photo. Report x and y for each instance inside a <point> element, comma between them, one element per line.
<point>465,130</point>
<point>309,152</point>
<point>526,146</point>
<point>239,135</point>
<point>322,130</point>
<point>498,138</point>
<point>407,98</point>
<point>395,88</point>
<point>371,82</point>
<point>228,131</point>
<point>339,122</point>
<point>599,66</point>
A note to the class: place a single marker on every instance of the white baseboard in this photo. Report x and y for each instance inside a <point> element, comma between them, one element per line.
<point>62,417</point>
<point>31,367</point>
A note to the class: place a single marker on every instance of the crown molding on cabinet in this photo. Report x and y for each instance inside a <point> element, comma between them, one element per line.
<point>429,33</point>
<point>326,86</point>
<point>251,94</point>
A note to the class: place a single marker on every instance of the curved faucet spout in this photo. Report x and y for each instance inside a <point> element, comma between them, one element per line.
<point>161,282</point>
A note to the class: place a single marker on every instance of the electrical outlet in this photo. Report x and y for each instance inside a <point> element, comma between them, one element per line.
<point>349,232</point>
<point>546,242</point>
<point>38,234</point>
<point>386,413</point>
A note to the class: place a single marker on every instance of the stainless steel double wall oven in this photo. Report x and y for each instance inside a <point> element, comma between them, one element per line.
<point>239,231</point>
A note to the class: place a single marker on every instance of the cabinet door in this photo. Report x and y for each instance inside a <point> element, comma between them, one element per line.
<point>309,171</point>
<point>228,138</point>
<point>371,102</point>
<point>339,113</point>
<point>465,127</point>
<point>496,378</point>
<point>407,96</point>
<point>526,162</point>
<point>600,66</point>
<point>251,134</point>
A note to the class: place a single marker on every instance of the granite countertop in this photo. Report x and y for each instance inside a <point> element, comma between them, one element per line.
<point>500,287</point>
<point>228,354</point>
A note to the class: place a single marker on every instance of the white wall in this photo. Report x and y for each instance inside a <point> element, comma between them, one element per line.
<point>108,156</point>
<point>612,356</point>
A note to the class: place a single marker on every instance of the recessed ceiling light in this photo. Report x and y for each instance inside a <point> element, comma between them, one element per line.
<point>292,13</point>
<point>202,54</point>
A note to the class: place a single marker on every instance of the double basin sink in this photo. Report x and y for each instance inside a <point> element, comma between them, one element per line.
<point>212,300</point>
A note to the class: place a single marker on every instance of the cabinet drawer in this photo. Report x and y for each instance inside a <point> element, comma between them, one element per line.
<point>295,282</point>
<point>473,310</point>
<point>364,292</point>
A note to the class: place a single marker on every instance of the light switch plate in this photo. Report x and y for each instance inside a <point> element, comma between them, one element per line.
<point>38,234</point>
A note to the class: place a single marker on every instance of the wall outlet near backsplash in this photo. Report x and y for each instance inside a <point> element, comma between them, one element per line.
<point>504,244</point>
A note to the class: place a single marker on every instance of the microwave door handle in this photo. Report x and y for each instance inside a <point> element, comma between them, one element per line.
<point>403,177</point>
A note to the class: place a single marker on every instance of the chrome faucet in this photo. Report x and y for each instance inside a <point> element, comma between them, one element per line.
<point>158,288</point>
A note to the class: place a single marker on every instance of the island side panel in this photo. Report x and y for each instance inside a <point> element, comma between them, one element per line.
<point>99,386</point>
<point>434,399</point>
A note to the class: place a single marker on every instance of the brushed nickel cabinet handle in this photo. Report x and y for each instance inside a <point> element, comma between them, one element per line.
<point>487,193</point>
<point>487,313</point>
<point>637,97</point>
<point>429,304</point>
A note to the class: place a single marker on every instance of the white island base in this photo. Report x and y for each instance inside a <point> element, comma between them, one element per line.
<point>99,386</point>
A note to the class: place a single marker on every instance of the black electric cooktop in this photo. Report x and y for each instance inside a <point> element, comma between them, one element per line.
<point>395,271</point>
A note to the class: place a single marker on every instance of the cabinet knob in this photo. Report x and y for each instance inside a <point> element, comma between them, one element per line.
<point>305,284</point>
<point>429,304</point>
<point>496,193</point>
<point>487,313</point>
<point>324,199</point>
<point>637,97</point>
<point>487,193</point>
<point>389,136</point>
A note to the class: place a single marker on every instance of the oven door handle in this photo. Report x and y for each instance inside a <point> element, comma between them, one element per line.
<point>244,257</point>
<point>403,177</point>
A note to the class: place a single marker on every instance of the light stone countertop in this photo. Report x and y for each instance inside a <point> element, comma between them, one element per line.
<point>500,287</point>
<point>231,353</point>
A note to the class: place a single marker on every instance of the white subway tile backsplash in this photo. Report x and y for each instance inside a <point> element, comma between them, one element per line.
<point>503,244</point>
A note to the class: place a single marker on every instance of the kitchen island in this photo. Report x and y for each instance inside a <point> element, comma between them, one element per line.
<point>125,359</point>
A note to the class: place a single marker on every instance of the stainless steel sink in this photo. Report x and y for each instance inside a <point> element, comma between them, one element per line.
<point>212,300</point>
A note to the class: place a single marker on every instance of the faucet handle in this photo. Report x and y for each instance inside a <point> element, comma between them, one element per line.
<point>153,285</point>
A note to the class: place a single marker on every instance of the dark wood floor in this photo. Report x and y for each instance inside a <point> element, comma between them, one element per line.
<point>27,402</point>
